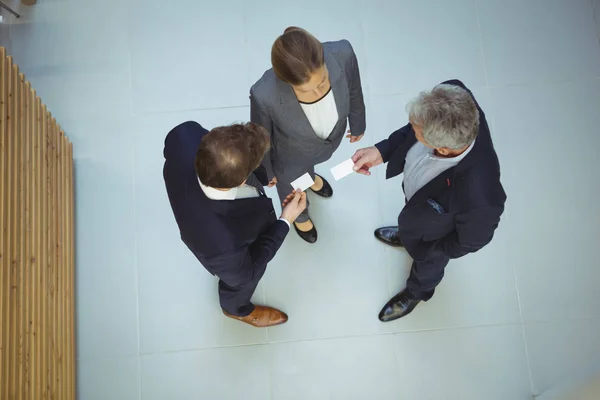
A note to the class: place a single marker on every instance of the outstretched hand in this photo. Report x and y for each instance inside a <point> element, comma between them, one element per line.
<point>293,205</point>
<point>365,159</point>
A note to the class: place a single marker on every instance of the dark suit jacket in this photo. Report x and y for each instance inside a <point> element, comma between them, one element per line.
<point>233,239</point>
<point>470,193</point>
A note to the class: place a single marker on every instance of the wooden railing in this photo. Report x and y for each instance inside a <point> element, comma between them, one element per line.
<point>37,341</point>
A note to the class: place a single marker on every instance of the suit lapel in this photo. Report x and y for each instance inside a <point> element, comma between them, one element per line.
<point>291,109</point>
<point>339,85</point>
<point>398,159</point>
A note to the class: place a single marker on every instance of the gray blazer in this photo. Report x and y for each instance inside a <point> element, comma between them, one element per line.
<point>295,148</point>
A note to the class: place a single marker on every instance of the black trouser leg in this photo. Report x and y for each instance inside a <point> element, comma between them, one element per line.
<point>425,276</point>
<point>236,300</point>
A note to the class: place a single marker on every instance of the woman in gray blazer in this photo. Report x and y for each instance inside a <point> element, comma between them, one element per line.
<point>304,102</point>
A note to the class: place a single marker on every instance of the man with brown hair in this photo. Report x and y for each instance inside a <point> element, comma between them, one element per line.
<point>215,187</point>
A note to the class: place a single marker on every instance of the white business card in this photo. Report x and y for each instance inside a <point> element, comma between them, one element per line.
<point>303,183</point>
<point>343,169</point>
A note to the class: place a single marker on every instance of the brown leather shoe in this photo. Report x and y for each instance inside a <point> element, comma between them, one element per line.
<point>262,317</point>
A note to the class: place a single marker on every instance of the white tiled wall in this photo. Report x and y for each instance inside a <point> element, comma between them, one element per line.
<point>516,318</point>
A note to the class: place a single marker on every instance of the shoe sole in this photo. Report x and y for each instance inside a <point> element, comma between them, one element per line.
<point>388,243</point>
<point>256,326</point>
<point>299,232</point>
<point>320,195</point>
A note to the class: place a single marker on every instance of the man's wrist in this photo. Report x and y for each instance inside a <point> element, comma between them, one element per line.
<point>288,223</point>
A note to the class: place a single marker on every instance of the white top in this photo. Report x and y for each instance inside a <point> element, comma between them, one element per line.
<point>422,165</point>
<point>322,115</point>
<point>241,192</point>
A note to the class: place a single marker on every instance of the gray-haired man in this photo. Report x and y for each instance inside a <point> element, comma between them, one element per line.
<point>454,197</point>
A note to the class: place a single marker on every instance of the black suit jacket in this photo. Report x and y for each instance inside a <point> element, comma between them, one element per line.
<point>471,196</point>
<point>233,239</point>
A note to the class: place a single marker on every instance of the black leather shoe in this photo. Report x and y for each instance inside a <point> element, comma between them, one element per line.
<point>309,236</point>
<point>326,190</point>
<point>399,306</point>
<point>389,235</point>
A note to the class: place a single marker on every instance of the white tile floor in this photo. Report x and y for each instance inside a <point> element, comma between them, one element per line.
<point>516,318</point>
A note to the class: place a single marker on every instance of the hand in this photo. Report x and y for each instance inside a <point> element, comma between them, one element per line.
<point>293,205</point>
<point>354,139</point>
<point>366,158</point>
<point>272,182</point>
<point>289,198</point>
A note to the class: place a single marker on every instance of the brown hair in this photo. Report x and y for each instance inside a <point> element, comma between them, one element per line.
<point>227,155</point>
<point>295,55</point>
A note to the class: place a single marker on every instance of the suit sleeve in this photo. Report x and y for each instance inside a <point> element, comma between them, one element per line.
<point>259,116</point>
<point>250,262</point>
<point>474,229</point>
<point>266,246</point>
<point>483,205</point>
<point>357,117</point>
<point>388,146</point>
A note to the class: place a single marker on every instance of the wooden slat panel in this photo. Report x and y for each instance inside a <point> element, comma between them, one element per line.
<point>37,335</point>
<point>71,216</point>
<point>44,255</point>
<point>15,308</point>
<point>27,135</point>
<point>57,266</point>
<point>65,267</point>
<point>19,132</point>
<point>4,205</point>
<point>51,256</point>
<point>7,225</point>
<point>37,288</point>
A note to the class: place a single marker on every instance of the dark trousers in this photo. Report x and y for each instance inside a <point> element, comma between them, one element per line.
<point>236,300</point>
<point>426,275</point>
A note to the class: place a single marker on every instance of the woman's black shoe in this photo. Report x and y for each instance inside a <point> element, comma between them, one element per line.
<point>309,236</point>
<point>325,191</point>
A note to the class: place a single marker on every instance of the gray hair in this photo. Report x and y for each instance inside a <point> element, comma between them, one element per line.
<point>448,115</point>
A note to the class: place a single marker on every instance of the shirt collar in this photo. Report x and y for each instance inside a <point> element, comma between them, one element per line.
<point>453,160</point>
<point>215,194</point>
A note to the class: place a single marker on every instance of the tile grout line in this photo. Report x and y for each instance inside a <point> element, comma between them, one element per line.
<point>270,372</point>
<point>370,335</point>
<point>137,281</point>
<point>365,62</point>
<point>380,95</point>
<point>596,19</point>
<point>523,330</point>
<point>130,57</point>
<point>247,49</point>
<point>531,84</point>
<point>485,73</point>
<point>189,110</point>
<point>396,356</point>
<point>135,237</point>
